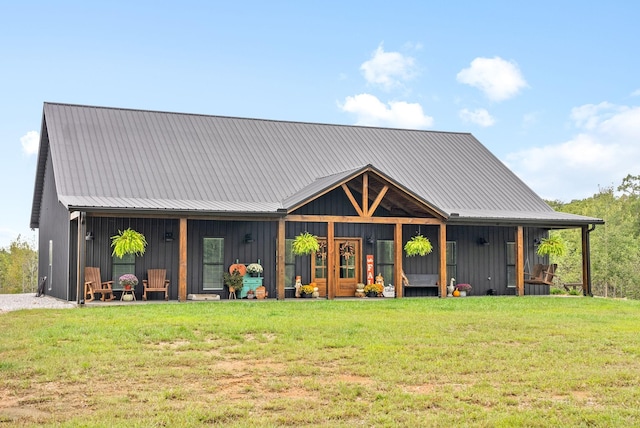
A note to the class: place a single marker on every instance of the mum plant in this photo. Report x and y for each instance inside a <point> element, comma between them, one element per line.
<point>128,279</point>
<point>463,287</point>
<point>254,268</point>
<point>306,289</point>
<point>373,288</point>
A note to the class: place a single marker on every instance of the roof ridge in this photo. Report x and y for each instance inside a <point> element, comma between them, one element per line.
<point>255,118</point>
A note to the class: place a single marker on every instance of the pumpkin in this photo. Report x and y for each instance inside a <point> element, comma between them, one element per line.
<point>242,269</point>
<point>456,293</point>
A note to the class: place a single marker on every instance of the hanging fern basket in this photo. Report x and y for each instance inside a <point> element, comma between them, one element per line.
<point>305,244</point>
<point>128,241</point>
<point>418,246</point>
<point>552,246</point>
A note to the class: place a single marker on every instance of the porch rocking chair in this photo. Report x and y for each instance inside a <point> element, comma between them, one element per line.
<point>94,285</point>
<point>157,282</point>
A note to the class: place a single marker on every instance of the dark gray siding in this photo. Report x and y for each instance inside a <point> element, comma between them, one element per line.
<point>54,228</point>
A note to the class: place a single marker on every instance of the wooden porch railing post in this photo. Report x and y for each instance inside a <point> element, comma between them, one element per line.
<point>182,264</point>
<point>520,261</point>
<point>280,260</point>
<point>397,244</point>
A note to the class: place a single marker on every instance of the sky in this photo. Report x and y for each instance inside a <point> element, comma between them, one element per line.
<point>552,88</point>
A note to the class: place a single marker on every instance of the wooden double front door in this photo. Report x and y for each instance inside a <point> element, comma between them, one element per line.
<point>347,267</point>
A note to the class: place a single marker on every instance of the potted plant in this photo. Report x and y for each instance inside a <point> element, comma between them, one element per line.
<point>418,246</point>
<point>233,280</point>
<point>304,244</point>
<point>373,290</point>
<point>552,246</point>
<point>128,241</point>
<point>254,269</point>
<point>306,290</point>
<point>463,289</point>
<point>128,281</point>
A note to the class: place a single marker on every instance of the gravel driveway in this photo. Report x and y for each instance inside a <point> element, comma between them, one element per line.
<point>14,302</point>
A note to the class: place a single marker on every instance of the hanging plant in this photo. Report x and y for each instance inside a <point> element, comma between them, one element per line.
<point>128,241</point>
<point>552,246</point>
<point>304,244</point>
<point>347,250</point>
<point>418,246</point>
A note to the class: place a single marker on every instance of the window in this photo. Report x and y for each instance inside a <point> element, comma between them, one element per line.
<point>320,261</point>
<point>452,260</point>
<point>120,266</point>
<point>385,260</point>
<point>212,263</point>
<point>511,264</point>
<point>289,264</point>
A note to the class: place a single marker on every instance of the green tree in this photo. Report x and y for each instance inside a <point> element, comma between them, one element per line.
<point>19,268</point>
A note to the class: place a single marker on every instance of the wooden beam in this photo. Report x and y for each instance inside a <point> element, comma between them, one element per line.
<point>365,194</point>
<point>332,279</point>
<point>182,261</point>
<point>397,245</point>
<point>520,261</point>
<point>353,200</point>
<point>378,200</point>
<point>355,219</point>
<point>442,275</point>
<point>586,267</point>
<point>280,260</point>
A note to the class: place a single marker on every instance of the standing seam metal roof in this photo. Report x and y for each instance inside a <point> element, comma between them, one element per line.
<point>104,156</point>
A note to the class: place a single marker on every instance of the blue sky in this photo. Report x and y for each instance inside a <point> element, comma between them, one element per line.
<point>552,88</point>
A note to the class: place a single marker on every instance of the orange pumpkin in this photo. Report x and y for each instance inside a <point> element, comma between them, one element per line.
<point>242,269</point>
<point>456,293</point>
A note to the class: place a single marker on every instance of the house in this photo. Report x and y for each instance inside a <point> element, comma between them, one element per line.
<point>210,191</point>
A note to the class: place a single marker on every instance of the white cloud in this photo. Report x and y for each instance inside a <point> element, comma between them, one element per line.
<point>497,78</point>
<point>30,142</point>
<point>388,69</point>
<point>370,111</point>
<point>599,155</point>
<point>478,116</point>
<point>636,93</point>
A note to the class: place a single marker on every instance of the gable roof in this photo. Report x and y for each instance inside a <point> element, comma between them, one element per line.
<point>115,159</point>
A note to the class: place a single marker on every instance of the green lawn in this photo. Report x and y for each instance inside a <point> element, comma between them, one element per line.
<point>483,361</point>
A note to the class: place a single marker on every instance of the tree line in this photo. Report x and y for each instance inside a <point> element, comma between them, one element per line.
<point>19,267</point>
<point>615,245</point>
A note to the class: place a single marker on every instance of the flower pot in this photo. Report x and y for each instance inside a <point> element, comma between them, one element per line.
<point>372,294</point>
<point>127,297</point>
<point>307,295</point>
<point>463,293</point>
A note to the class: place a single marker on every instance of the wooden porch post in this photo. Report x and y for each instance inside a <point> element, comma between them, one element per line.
<point>397,244</point>
<point>586,266</point>
<point>280,260</point>
<point>332,281</point>
<point>82,259</point>
<point>182,264</point>
<point>442,242</point>
<point>520,261</point>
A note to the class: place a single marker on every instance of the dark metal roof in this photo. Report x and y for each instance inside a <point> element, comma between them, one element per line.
<point>110,158</point>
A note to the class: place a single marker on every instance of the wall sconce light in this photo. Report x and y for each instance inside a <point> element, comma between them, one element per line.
<point>370,239</point>
<point>536,242</point>
<point>482,241</point>
<point>168,236</point>
<point>89,236</point>
<point>248,239</point>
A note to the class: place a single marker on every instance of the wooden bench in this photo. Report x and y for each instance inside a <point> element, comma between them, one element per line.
<point>427,281</point>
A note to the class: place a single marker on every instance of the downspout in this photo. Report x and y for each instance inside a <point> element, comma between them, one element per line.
<point>590,229</point>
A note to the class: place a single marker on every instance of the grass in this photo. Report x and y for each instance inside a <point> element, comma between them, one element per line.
<point>486,362</point>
